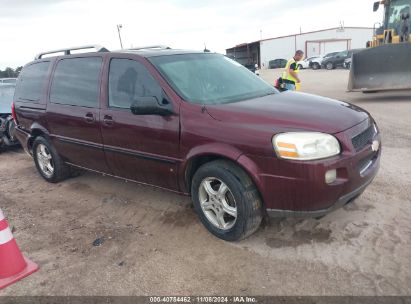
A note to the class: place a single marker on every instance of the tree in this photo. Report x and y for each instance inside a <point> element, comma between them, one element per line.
<point>10,73</point>
<point>18,70</point>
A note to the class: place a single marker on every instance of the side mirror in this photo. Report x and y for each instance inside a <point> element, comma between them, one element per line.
<point>149,106</point>
<point>376,6</point>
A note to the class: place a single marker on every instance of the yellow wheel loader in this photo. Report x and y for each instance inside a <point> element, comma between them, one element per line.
<point>386,63</point>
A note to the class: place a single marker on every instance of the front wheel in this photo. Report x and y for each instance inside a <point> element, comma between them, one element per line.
<point>329,66</point>
<point>49,164</point>
<point>226,200</point>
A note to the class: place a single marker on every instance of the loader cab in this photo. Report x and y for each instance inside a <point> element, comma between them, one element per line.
<point>396,12</point>
<point>396,27</point>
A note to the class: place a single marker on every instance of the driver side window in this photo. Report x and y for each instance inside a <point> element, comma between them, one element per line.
<point>128,80</point>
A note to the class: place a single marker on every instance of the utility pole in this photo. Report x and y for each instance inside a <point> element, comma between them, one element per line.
<point>119,26</point>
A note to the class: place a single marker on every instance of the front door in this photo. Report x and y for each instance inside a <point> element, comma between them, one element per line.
<point>143,148</point>
<point>73,112</point>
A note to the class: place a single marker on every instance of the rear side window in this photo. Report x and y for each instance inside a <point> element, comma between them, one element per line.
<point>31,82</point>
<point>76,82</point>
<point>128,80</point>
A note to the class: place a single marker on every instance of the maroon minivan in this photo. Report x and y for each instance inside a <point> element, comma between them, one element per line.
<point>199,124</point>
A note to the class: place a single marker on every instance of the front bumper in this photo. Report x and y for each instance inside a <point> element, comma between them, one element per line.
<point>298,189</point>
<point>342,201</point>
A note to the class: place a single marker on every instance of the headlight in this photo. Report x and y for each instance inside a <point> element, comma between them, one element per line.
<point>305,145</point>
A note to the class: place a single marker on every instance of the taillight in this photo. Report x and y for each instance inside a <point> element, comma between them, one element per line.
<point>13,113</point>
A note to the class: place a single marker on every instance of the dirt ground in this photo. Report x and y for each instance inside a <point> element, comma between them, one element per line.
<point>153,243</point>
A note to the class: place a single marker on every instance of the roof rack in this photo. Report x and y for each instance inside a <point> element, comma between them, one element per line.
<point>67,51</point>
<point>150,47</point>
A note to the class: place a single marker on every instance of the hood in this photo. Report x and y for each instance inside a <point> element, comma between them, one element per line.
<point>291,111</point>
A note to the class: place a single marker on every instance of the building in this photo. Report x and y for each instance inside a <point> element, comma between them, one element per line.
<point>314,43</point>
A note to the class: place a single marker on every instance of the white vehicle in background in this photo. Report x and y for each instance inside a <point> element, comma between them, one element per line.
<point>315,64</point>
<point>305,64</point>
<point>7,125</point>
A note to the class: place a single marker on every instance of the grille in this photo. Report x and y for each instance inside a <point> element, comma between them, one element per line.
<point>364,138</point>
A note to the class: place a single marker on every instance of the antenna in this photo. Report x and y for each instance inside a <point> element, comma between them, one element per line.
<point>119,27</point>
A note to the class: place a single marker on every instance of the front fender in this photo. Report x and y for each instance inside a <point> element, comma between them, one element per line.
<point>213,150</point>
<point>220,151</point>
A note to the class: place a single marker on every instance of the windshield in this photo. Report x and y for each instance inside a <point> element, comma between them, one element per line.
<point>396,9</point>
<point>210,78</point>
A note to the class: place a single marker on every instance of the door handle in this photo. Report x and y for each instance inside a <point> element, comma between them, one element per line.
<point>108,120</point>
<point>89,117</point>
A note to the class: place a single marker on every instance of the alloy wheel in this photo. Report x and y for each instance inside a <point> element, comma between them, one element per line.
<point>45,160</point>
<point>218,203</point>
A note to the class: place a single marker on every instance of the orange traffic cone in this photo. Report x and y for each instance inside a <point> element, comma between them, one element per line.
<point>13,265</point>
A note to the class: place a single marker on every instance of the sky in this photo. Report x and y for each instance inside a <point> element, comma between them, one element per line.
<point>29,27</point>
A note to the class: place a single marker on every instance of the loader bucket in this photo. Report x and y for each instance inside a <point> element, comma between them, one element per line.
<point>382,68</point>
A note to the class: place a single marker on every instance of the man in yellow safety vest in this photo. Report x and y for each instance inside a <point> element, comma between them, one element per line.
<point>290,75</point>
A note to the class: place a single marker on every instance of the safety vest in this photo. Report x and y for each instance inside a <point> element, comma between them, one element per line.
<point>286,74</point>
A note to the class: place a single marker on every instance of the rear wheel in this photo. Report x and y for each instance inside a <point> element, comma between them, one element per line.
<point>226,200</point>
<point>49,164</point>
<point>300,66</point>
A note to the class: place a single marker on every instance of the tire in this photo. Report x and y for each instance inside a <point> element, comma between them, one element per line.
<point>329,66</point>
<point>241,195</point>
<point>300,67</point>
<point>43,153</point>
<point>316,66</point>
